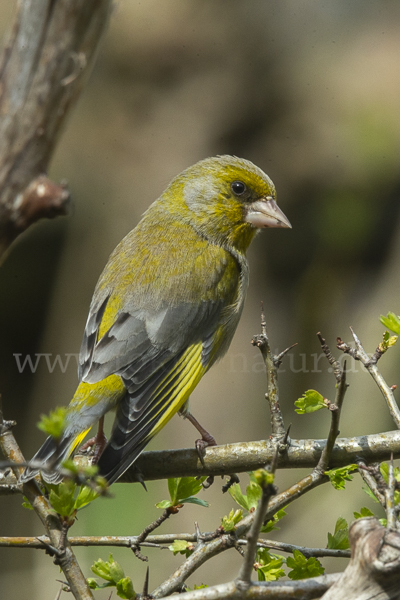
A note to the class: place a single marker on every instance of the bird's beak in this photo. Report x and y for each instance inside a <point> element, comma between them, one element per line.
<point>266,213</point>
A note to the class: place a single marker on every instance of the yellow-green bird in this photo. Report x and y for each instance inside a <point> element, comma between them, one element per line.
<point>164,310</point>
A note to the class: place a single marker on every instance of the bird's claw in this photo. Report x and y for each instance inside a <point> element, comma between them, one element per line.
<point>208,482</point>
<point>233,478</point>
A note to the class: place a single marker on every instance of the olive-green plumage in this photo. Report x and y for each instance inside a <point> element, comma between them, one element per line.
<point>165,308</point>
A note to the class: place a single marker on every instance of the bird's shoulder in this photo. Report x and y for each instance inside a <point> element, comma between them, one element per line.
<point>156,264</point>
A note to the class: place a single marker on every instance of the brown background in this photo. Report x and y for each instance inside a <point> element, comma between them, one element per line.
<point>310,92</point>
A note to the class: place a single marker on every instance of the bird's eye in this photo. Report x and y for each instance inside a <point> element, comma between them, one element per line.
<point>238,188</point>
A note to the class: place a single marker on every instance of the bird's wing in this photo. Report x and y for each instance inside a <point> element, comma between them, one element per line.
<point>141,341</point>
<point>147,407</point>
<point>160,356</point>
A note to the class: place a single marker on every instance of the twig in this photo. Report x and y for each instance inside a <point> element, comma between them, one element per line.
<point>272,363</point>
<point>337,370</point>
<point>268,490</point>
<point>358,353</point>
<point>308,552</point>
<point>268,590</point>
<point>147,530</point>
<point>341,387</point>
<point>392,520</point>
<point>374,480</point>
<point>161,542</point>
<point>66,559</point>
<point>202,553</point>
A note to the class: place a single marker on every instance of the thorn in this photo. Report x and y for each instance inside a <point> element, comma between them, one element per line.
<point>197,529</point>
<point>278,359</point>
<point>285,439</point>
<point>145,592</point>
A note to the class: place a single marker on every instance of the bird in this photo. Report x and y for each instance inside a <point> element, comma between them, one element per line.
<point>164,310</point>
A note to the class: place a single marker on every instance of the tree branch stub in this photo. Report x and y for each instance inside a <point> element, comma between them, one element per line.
<point>43,69</point>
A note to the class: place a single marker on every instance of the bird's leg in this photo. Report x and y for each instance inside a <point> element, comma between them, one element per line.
<point>98,441</point>
<point>206,438</point>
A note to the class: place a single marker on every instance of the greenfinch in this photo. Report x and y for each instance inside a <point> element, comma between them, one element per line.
<point>164,310</point>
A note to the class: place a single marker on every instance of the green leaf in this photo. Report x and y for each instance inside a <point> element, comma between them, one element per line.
<point>86,495</point>
<point>252,497</point>
<point>115,570</point>
<point>387,341</point>
<point>310,402</point>
<point>302,567</point>
<point>181,547</point>
<point>193,500</point>
<point>125,589</point>
<point>54,423</point>
<point>384,469</point>
<point>164,504</point>
<point>196,587</point>
<point>340,539</point>
<point>269,566</point>
<point>370,494</point>
<point>66,498</point>
<point>392,322</point>
<point>62,499</point>
<point>271,523</point>
<point>338,477</point>
<point>238,497</point>
<point>364,512</point>
<point>229,523</point>
<point>254,493</point>
<point>110,571</point>
<point>27,504</point>
<point>173,489</point>
<point>263,477</point>
<point>182,488</point>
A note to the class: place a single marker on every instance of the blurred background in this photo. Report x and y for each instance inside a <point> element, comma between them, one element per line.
<point>309,91</point>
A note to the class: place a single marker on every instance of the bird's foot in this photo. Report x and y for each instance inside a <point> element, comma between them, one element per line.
<point>96,445</point>
<point>201,444</point>
<point>87,445</point>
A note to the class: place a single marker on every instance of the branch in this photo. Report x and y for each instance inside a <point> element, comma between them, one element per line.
<point>374,567</point>
<point>272,364</point>
<point>370,364</point>
<point>335,409</point>
<point>249,456</point>
<point>64,556</point>
<point>270,590</point>
<point>161,541</point>
<point>43,69</point>
<point>268,490</point>
<point>202,552</point>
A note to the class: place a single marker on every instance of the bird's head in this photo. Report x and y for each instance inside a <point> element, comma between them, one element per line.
<point>226,199</point>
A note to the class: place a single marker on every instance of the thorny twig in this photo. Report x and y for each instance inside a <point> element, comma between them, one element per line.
<point>392,520</point>
<point>161,542</point>
<point>358,353</point>
<point>64,555</point>
<point>272,363</point>
<point>372,476</point>
<point>147,530</point>
<point>337,370</point>
<point>268,490</point>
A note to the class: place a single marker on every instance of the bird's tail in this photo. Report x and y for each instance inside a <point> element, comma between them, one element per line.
<point>48,458</point>
<point>89,404</point>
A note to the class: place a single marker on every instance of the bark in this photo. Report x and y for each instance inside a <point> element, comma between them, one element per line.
<point>374,568</point>
<point>43,69</point>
